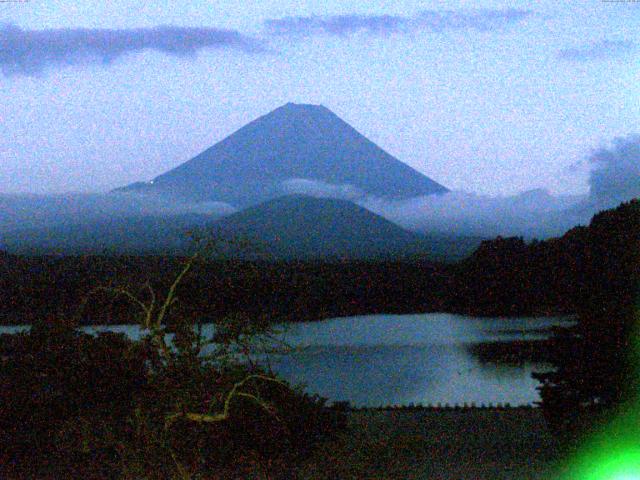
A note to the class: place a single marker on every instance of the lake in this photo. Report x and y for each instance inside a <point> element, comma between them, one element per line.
<point>377,360</point>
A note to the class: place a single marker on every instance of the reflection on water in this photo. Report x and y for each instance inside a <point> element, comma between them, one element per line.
<point>401,359</point>
<point>399,375</point>
<point>419,329</point>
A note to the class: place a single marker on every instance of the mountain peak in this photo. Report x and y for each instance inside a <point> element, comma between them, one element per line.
<point>298,111</point>
<point>291,108</point>
<point>294,141</point>
<point>293,105</point>
<point>301,227</point>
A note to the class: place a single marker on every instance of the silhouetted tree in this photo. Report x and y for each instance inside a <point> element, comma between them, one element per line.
<point>596,366</point>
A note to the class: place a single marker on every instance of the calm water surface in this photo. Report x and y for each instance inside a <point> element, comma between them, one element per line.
<point>401,359</point>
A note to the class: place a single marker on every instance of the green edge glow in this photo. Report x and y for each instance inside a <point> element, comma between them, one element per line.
<point>612,453</point>
<point>619,462</point>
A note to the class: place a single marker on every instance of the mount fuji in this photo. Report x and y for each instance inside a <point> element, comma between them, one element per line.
<point>293,142</point>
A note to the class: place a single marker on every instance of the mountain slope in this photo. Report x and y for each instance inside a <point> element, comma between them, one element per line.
<point>285,228</point>
<point>129,235</point>
<point>298,227</point>
<point>292,142</point>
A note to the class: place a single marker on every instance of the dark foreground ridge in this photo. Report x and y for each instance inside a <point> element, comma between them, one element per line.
<point>291,227</point>
<point>504,277</point>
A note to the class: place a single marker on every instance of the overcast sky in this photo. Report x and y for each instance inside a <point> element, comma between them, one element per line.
<point>484,96</point>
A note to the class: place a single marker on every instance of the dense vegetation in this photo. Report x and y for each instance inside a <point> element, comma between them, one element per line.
<point>76,405</point>
<point>591,271</point>
<point>32,287</point>
<point>597,367</point>
<point>504,276</point>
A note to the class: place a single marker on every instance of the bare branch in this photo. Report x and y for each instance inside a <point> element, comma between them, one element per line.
<point>172,290</point>
<point>219,417</point>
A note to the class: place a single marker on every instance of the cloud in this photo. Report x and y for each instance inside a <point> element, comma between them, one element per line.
<point>483,20</point>
<point>614,178</point>
<point>337,25</point>
<point>534,213</point>
<point>319,189</point>
<point>203,208</point>
<point>29,52</point>
<point>601,50</point>
<point>33,211</point>
<point>616,174</point>
<point>428,20</point>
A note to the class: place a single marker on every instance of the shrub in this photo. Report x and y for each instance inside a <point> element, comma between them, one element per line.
<point>172,404</point>
<point>58,389</point>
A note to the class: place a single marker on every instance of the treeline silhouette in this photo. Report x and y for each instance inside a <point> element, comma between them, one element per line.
<point>597,361</point>
<point>504,276</point>
<point>33,287</point>
<point>99,407</point>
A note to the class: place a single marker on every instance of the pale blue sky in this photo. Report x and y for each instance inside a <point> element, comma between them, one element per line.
<point>477,102</point>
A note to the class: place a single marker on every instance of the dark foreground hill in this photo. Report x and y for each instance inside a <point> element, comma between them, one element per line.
<point>586,269</point>
<point>138,235</point>
<point>461,445</point>
<point>292,142</point>
<point>299,227</point>
<point>287,228</point>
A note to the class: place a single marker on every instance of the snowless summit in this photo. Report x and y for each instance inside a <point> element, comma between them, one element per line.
<point>293,142</point>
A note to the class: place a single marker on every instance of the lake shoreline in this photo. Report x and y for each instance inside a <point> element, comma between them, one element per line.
<point>5,322</point>
<point>385,360</point>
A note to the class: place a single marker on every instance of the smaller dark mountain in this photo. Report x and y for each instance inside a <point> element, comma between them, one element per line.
<point>286,228</point>
<point>300,227</point>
